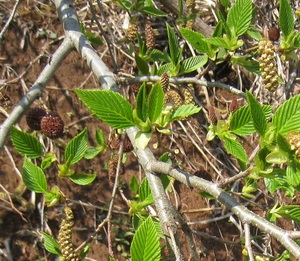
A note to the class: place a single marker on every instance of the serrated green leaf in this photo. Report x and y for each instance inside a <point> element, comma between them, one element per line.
<point>155,102</point>
<point>197,40</point>
<point>34,177</point>
<point>82,179</point>
<point>286,19</point>
<point>50,244</point>
<point>76,148</point>
<point>292,176</point>
<point>185,110</point>
<point>145,243</point>
<point>164,68</point>
<point>236,149</point>
<point>239,17</point>
<point>144,190</point>
<point>141,103</point>
<point>286,117</point>
<point>173,45</point>
<point>26,144</point>
<point>91,153</point>
<point>241,122</point>
<point>109,106</point>
<point>193,63</point>
<point>276,181</point>
<point>257,114</point>
<point>217,41</point>
<point>289,211</point>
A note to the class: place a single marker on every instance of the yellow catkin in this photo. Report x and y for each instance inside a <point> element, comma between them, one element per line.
<point>174,98</point>
<point>188,97</point>
<point>293,138</point>
<point>132,30</point>
<point>268,64</point>
<point>65,236</point>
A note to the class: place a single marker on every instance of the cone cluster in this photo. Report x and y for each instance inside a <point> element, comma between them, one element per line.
<point>268,64</point>
<point>65,237</point>
<point>49,123</point>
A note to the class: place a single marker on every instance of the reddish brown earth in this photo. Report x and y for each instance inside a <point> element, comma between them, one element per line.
<point>20,224</point>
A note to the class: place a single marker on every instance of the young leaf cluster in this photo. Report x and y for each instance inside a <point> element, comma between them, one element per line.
<point>149,112</point>
<point>34,177</point>
<point>276,147</point>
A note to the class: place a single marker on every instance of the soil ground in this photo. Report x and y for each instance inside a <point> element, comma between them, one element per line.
<point>23,55</point>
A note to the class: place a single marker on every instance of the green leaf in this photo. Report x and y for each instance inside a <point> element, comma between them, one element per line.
<point>276,181</point>
<point>125,3</point>
<point>173,44</point>
<point>236,149</point>
<point>193,63</point>
<point>53,196</point>
<point>258,116</point>
<point>26,144</point>
<point>134,185</point>
<point>289,211</point>
<point>151,10</point>
<point>141,103</point>
<point>142,64</point>
<point>239,17</point>
<point>217,41</point>
<point>293,175</point>
<point>241,122</point>
<point>34,177</point>
<point>50,244</point>
<point>155,102</point>
<point>142,139</point>
<point>82,179</point>
<point>286,19</point>
<point>185,110</point>
<point>286,117</point>
<point>164,69</point>
<point>197,40</point>
<point>91,153</point>
<point>145,244</point>
<point>76,148</point>
<point>145,191</point>
<point>48,160</point>
<point>109,106</point>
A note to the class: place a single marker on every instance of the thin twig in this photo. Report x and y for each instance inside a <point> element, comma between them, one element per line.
<point>248,241</point>
<point>9,20</point>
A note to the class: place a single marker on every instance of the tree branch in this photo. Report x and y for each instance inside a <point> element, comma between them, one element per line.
<point>35,91</point>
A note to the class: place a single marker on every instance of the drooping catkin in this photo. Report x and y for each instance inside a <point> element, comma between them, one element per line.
<point>164,81</point>
<point>188,97</point>
<point>174,98</point>
<point>150,37</point>
<point>268,64</point>
<point>132,30</point>
<point>65,236</point>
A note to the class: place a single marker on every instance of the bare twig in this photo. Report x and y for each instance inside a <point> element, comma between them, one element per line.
<point>248,241</point>
<point>9,20</point>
